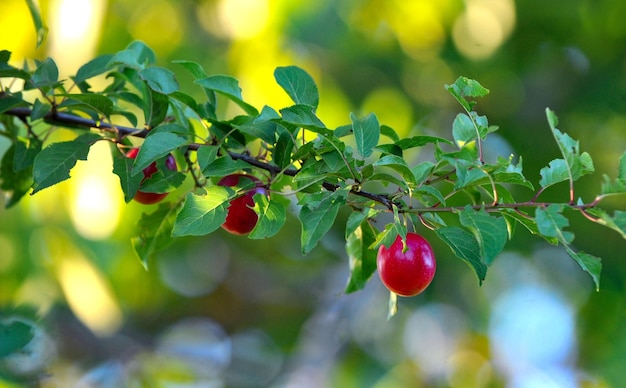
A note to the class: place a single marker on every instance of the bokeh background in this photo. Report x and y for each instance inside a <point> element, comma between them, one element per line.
<point>225,311</point>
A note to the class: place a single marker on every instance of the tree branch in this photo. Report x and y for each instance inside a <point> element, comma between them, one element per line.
<point>73,121</point>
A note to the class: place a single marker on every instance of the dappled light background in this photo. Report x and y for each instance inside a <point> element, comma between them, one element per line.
<point>222,310</point>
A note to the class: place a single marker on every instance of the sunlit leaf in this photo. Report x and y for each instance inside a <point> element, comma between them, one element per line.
<point>272,214</point>
<point>53,164</point>
<point>156,146</point>
<point>465,87</point>
<point>203,214</point>
<point>366,133</point>
<point>298,84</point>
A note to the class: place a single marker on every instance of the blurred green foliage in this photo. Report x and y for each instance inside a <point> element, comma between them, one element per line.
<point>237,312</point>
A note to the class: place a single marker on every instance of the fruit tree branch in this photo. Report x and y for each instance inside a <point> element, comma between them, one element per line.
<point>73,121</point>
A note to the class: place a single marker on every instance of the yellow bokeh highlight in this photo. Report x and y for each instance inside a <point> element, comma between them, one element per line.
<point>88,294</point>
<point>82,284</point>
<point>17,33</point>
<point>96,197</point>
<point>418,27</point>
<point>391,107</point>
<point>159,25</point>
<point>74,32</point>
<point>483,27</point>
<point>243,19</point>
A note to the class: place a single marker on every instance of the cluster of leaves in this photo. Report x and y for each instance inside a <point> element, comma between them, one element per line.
<point>363,165</point>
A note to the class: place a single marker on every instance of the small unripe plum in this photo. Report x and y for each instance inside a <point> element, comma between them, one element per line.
<point>241,217</point>
<point>150,198</point>
<point>407,271</point>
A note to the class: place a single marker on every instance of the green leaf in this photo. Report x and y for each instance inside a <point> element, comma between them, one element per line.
<point>159,79</point>
<point>420,141</point>
<point>122,167</point>
<point>399,165</point>
<point>14,336</point>
<point>550,223</point>
<point>590,264</point>
<point>464,87</point>
<point>298,84</point>
<point>618,186</point>
<point>223,166</point>
<point>7,70</point>
<point>53,164</point>
<point>14,184</point>
<point>206,155</point>
<point>317,218</point>
<point>155,146</point>
<point>40,28</point>
<point>228,87</point>
<point>98,102</point>
<point>356,218</point>
<point>155,231</point>
<point>463,129</point>
<point>528,222</point>
<point>10,101</point>
<point>136,56</point>
<point>572,166</point>
<point>155,108</point>
<point>203,214</point>
<point>46,74</point>
<point>162,181</point>
<point>362,260</point>
<point>303,116</point>
<point>388,235</point>
<point>366,133</point>
<point>468,175</point>
<point>617,222</point>
<point>26,149</point>
<point>490,232</point>
<point>194,68</point>
<point>272,216</point>
<point>389,132</point>
<point>92,68</point>
<point>40,110</point>
<point>465,248</point>
<point>262,129</point>
<point>281,155</point>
